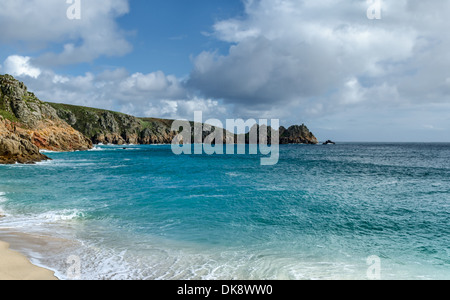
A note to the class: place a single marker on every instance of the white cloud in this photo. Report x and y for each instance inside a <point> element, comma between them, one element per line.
<point>154,85</point>
<point>325,56</point>
<point>185,108</point>
<point>20,66</point>
<point>320,62</point>
<point>353,93</point>
<point>40,24</point>
<point>144,95</point>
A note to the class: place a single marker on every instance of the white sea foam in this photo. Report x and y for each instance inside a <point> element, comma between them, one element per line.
<point>64,163</point>
<point>232,174</point>
<point>97,149</point>
<point>47,151</point>
<point>2,212</point>
<point>2,197</point>
<point>64,215</point>
<point>114,147</point>
<point>45,162</point>
<point>39,222</point>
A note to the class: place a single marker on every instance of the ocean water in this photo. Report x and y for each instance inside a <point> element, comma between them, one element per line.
<point>145,213</point>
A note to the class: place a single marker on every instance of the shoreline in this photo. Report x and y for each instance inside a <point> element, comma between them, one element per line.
<point>16,266</point>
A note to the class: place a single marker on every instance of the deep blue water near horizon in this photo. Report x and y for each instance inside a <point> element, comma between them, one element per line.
<point>145,213</point>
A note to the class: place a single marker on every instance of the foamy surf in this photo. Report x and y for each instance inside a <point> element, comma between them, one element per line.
<point>2,212</point>
<point>149,214</point>
<point>64,215</point>
<point>98,149</point>
<point>114,148</point>
<point>47,151</point>
<point>42,222</point>
<point>3,199</point>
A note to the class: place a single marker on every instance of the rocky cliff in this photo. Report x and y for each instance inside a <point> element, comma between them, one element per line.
<point>28,124</point>
<point>297,135</point>
<point>16,145</point>
<point>293,135</point>
<point>108,127</point>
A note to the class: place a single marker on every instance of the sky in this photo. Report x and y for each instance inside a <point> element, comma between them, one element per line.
<point>351,70</point>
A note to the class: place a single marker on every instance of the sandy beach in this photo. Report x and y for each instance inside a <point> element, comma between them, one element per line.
<point>15,266</point>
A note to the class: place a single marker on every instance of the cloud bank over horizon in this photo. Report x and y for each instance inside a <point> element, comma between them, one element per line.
<point>314,61</point>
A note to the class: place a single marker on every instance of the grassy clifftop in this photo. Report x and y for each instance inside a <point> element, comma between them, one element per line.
<point>18,105</point>
<point>28,124</point>
<point>104,126</point>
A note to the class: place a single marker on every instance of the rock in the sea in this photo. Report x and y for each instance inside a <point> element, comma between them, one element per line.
<point>297,135</point>
<point>329,142</point>
<point>16,147</point>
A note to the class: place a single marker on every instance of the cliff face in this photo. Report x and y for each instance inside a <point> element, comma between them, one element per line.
<point>293,135</point>
<point>16,146</point>
<point>108,127</point>
<point>297,135</point>
<point>28,124</point>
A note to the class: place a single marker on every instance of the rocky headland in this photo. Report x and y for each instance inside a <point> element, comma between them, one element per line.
<point>108,127</point>
<point>28,125</point>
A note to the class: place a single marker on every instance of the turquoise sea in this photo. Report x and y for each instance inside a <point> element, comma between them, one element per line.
<point>145,213</point>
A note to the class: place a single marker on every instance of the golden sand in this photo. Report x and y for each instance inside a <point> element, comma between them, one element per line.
<point>15,266</point>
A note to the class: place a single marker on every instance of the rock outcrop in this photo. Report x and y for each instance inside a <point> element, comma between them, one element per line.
<point>109,127</point>
<point>297,135</point>
<point>293,135</point>
<point>28,124</point>
<point>16,146</point>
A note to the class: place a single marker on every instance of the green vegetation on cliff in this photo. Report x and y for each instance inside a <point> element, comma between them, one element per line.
<point>109,127</point>
<point>19,105</point>
<point>27,121</point>
<point>89,121</point>
<point>27,125</point>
